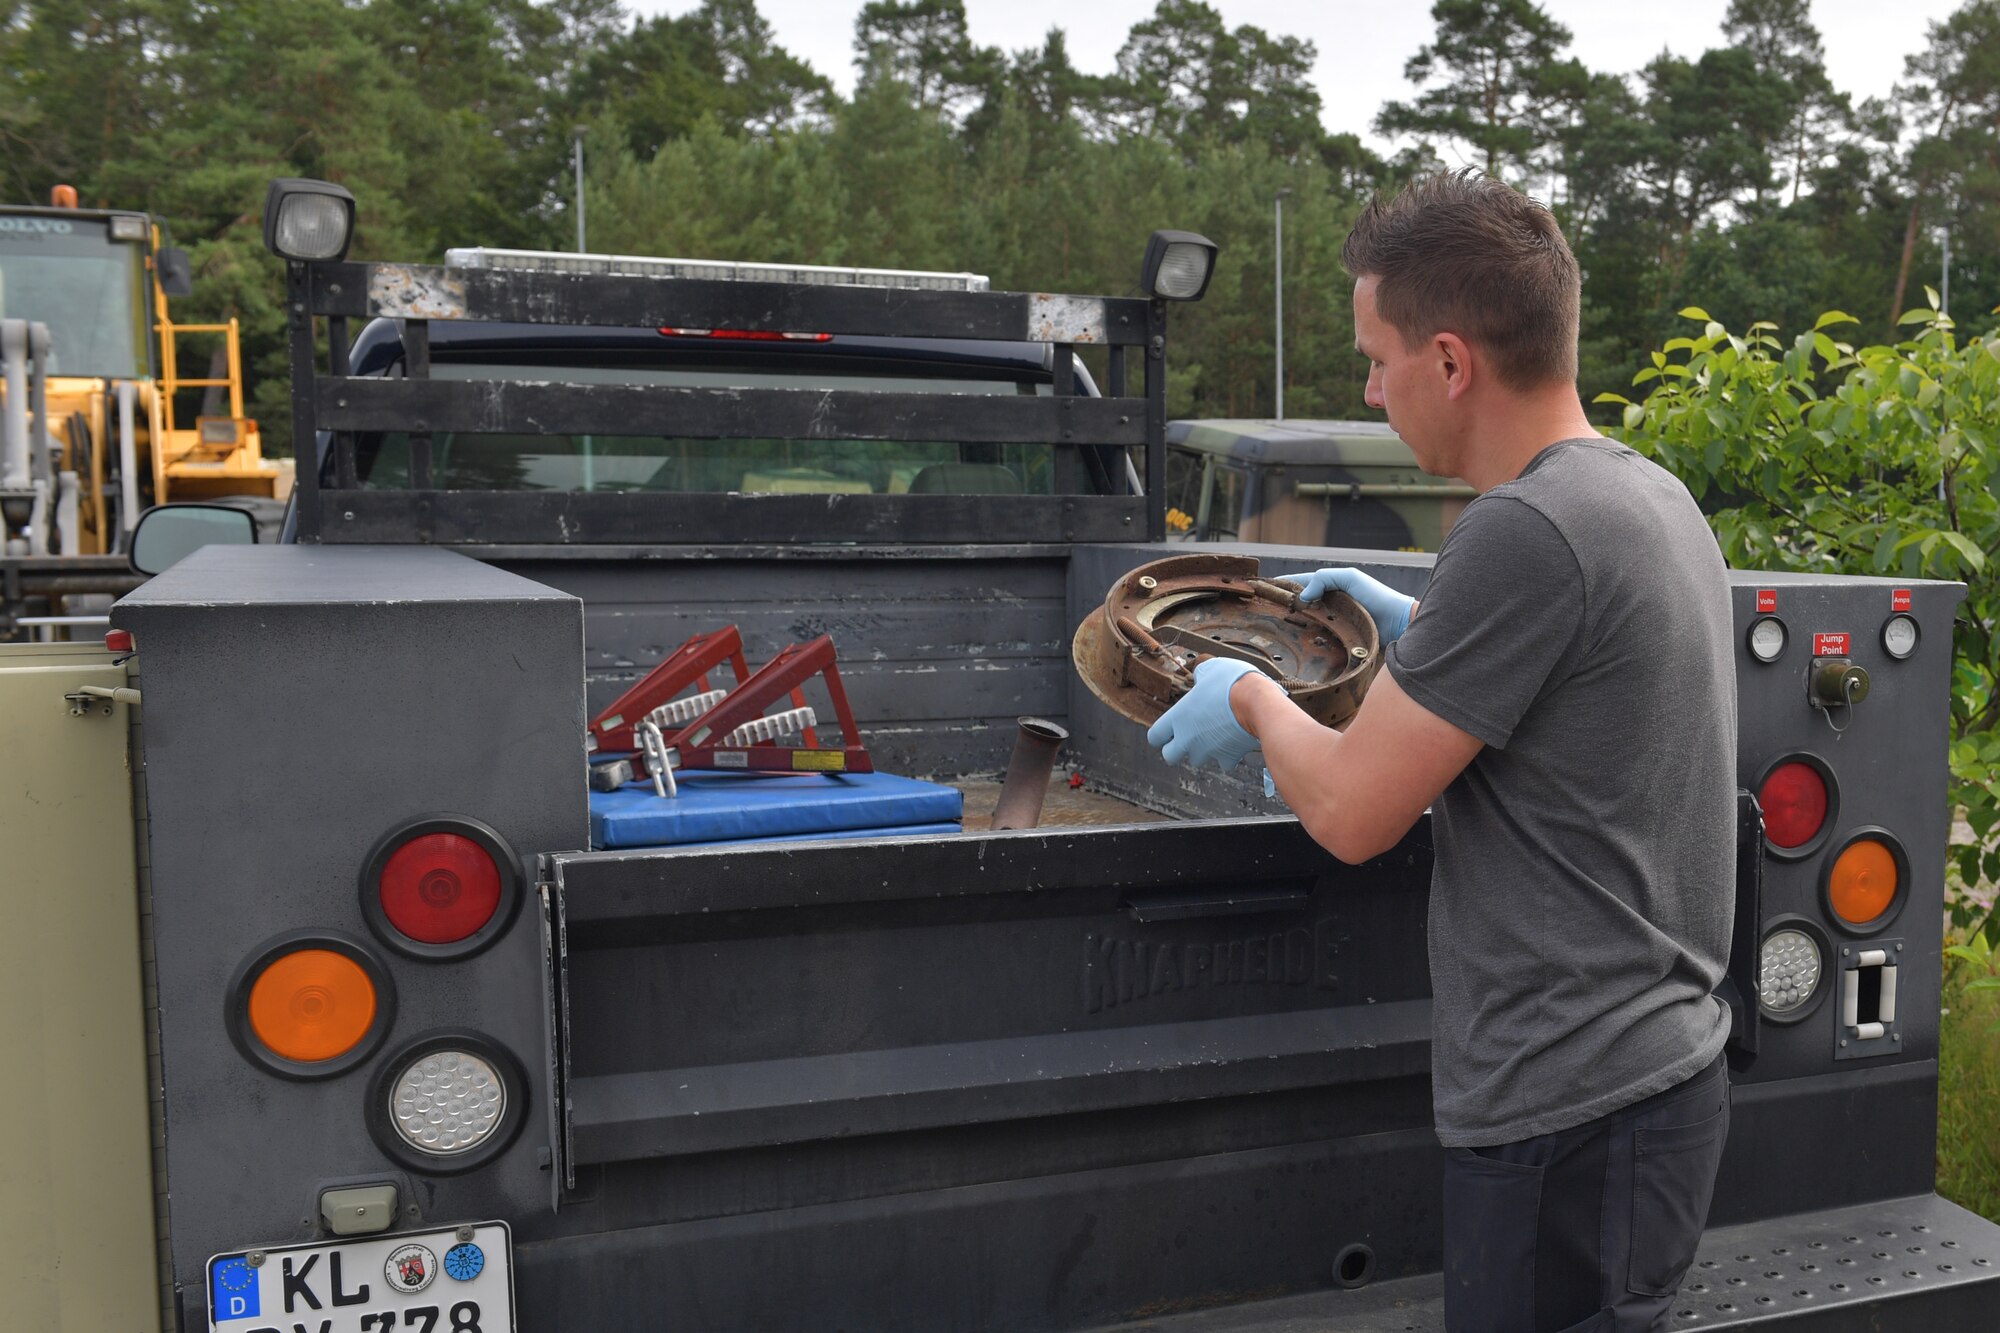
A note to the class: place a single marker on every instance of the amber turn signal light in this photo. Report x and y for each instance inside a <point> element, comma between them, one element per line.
<point>1864,881</point>
<point>312,1005</point>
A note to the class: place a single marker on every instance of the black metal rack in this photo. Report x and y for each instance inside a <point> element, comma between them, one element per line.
<point>343,404</point>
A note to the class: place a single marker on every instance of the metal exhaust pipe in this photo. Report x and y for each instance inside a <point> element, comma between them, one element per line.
<point>1027,784</point>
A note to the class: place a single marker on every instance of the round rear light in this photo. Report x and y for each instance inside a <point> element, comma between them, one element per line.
<point>309,1005</point>
<point>440,887</point>
<point>312,1005</point>
<point>450,1101</point>
<point>447,1102</point>
<point>1864,882</point>
<point>1788,972</point>
<point>1797,799</point>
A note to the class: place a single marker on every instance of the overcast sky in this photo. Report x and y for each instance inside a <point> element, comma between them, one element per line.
<point>1362,47</point>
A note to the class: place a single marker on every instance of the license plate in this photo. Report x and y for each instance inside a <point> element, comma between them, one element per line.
<point>417,1282</point>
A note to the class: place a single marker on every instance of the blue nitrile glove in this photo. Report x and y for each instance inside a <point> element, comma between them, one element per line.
<point>1389,608</point>
<point>1202,726</point>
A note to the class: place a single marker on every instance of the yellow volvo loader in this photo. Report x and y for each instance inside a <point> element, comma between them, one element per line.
<point>93,425</point>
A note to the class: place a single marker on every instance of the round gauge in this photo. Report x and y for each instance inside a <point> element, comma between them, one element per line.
<point>1767,638</point>
<point>1899,637</point>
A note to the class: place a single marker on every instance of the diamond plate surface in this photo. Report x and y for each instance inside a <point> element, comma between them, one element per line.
<point>1919,1263</point>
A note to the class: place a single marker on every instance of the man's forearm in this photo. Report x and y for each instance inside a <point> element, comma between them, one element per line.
<point>1304,759</point>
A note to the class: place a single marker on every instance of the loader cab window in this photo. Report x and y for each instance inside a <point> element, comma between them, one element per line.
<point>667,463</point>
<point>89,289</point>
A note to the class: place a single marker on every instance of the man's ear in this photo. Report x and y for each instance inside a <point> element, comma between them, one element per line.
<point>1455,360</point>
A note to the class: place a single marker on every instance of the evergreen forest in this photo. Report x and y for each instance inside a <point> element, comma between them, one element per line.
<point>1741,178</point>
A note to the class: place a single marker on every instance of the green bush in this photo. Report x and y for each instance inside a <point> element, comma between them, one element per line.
<point>1821,456</point>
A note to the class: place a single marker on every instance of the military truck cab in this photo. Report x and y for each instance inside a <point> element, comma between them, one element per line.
<point>435,1053</point>
<point>1305,483</point>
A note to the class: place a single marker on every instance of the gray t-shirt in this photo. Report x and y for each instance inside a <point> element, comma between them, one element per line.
<point>1577,622</point>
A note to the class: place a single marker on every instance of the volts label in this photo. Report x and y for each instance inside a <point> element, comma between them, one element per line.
<point>1831,645</point>
<point>1767,601</point>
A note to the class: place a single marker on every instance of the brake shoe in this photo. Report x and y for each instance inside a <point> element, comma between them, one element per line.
<point>1138,651</point>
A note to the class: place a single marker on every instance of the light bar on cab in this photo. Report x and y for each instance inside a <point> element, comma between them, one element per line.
<point>718,270</point>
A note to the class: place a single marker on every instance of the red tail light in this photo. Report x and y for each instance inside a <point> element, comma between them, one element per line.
<point>747,335</point>
<point>1795,801</point>
<point>440,888</point>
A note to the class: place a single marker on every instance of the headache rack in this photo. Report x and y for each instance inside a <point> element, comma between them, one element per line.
<point>340,509</point>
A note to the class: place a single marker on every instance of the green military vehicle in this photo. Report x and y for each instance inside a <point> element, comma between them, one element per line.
<point>1305,483</point>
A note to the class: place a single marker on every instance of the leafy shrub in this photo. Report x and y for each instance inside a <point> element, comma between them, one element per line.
<point>1821,456</point>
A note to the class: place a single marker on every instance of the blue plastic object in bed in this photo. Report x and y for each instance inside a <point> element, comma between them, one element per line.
<point>732,807</point>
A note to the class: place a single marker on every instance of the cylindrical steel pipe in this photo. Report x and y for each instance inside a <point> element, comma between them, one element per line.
<point>41,450</point>
<point>14,474</point>
<point>1027,784</point>
<point>128,460</point>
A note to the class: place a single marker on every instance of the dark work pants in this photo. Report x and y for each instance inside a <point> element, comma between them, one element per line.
<point>1587,1230</point>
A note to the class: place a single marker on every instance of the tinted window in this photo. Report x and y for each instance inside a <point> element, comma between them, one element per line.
<point>677,463</point>
<point>70,275</point>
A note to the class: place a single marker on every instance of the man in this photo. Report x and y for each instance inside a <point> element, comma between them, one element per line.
<point>1564,703</point>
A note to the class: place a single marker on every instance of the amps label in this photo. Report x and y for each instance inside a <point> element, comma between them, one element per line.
<point>1899,600</point>
<point>1831,645</point>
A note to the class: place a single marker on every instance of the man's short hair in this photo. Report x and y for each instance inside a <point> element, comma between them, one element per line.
<point>1464,253</point>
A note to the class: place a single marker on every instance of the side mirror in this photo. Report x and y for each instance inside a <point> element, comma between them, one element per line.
<point>171,531</point>
<point>176,271</point>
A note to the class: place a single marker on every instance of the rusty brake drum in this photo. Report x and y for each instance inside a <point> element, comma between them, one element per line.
<point>1138,651</point>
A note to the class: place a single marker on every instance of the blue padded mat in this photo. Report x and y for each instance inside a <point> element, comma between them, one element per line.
<point>838,835</point>
<point>730,807</point>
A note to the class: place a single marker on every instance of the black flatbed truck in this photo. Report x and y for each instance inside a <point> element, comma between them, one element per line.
<point>1170,1073</point>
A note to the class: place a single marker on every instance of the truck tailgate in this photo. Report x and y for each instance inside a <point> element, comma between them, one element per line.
<point>1028,1079</point>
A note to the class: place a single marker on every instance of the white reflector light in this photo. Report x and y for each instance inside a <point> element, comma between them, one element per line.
<point>447,1102</point>
<point>722,270</point>
<point>312,226</point>
<point>1182,271</point>
<point>1788,971</point>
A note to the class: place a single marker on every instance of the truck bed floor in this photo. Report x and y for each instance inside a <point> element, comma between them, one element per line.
<point>1920,1263</point>
<point>1065,806</point>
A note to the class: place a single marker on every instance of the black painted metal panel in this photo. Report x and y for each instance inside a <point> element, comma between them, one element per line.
<point>629,301</point>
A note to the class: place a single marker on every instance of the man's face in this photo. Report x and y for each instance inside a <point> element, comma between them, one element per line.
<point>1406,384</point>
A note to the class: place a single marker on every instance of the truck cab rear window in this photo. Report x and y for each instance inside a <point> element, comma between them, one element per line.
<point>509,462</point>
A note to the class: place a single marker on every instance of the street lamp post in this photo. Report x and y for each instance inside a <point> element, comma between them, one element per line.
<point>1944,277</point>
<point>1278,286</point>
<point>577,143</point>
